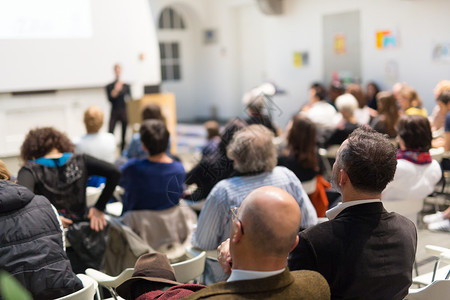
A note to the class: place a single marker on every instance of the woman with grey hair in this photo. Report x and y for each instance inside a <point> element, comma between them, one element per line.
<point>253,151</point>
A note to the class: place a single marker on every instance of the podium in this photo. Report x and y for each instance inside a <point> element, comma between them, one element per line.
<point>166,102</point>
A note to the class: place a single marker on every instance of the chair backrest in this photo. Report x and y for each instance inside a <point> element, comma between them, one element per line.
<point>86,293</point>
<point>436,290</point>
<point>406,208</point>
<point>190,269</point>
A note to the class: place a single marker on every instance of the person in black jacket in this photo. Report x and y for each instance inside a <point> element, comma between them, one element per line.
<point>363,252</point>
<point>31,242</point>
<point>118,93</point>
<point>52,169</point>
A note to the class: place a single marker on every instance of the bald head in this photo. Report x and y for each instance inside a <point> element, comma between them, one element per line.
<point>271,218</point>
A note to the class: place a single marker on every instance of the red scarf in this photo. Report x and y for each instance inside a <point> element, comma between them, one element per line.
<point>415,156</point>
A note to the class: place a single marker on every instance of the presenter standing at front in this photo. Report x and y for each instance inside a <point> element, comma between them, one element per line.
<point>118,93</point>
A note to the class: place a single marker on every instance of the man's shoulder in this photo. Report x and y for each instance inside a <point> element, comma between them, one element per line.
<point>287,285</point>
<point>311,284</point>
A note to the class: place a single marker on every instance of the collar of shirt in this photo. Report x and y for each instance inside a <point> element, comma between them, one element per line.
<point>332,213</point>
<point>249,275</point>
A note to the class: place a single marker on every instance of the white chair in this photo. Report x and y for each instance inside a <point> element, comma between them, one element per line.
<point>443,256</point>
<point>409,209</point>
<point>310,186</point>
<point>110,282</point>
<point>88,291</point>
<point>190,269</point>
<point>436,290</point>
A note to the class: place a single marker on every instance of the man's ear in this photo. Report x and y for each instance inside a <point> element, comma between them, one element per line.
<point>236,234</point>
<point>343,177</point>
<point>295,244</point>
<point>143,147</point>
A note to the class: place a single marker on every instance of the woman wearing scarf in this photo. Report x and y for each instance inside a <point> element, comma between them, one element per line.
<point>417,173</point>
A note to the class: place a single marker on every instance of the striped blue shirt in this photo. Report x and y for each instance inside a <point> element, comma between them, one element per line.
<point>214,224</point>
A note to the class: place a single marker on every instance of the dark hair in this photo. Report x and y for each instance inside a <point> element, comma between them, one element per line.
<point>152,111</point>
<point>40,141</point>
<point>375,87</point>
<point>154,136</point>
<point>302,142</point>
<point>319,90</point>
<point>369,159</point>
<point>388,111</point>
<point>444,97</point>
<point>357,91</point>
<point>231,128</point>
<point>415,131</point>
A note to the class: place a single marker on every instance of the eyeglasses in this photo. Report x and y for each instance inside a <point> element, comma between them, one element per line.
<point>234,214</point>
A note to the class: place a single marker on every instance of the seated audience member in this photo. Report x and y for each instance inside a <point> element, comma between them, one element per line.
<point>135,150</point>
<point>255,109</point>
<point>363,252</point>
<point>444,103</point>
<point>388,115</point>
<point>417,173</point>
<point>52,169</point>
<point>318,110</point>
<point>437,117</point>
<point>32,243</point>
<point>439,221</point>
<point>101,145</point>
<point>346,105</point>
<point>213,137</point>
<point>372,90</point>
<point>213,168</point>
<point>363,114</point>
<point>156,182</point>
<point>336,89</point>
<point>301,156</point>
<point>154,278</point>
<point>410,103</point>
<point>263,232</point>
<point>254,156</point>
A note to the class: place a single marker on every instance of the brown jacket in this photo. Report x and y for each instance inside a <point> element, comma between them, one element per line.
<point>287,285</point>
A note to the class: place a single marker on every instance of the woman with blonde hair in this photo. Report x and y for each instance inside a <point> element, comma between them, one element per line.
<point>410,102</point>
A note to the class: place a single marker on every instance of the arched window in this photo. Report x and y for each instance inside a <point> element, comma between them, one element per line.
<point>170,19</point>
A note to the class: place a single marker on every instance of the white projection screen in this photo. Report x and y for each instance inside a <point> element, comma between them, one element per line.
<point>58,44</point>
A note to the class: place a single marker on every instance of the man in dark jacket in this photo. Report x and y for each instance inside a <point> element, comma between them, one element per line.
<point>31,244</point>
<point>363,252</point>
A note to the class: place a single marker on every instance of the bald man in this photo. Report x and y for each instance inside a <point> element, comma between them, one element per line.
<point>263,232</point>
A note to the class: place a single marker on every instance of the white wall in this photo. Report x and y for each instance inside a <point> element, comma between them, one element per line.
<point>419,24</point>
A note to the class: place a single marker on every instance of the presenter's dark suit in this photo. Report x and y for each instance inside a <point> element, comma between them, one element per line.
<point>118,109</point>
<point>363,253</point>
<point>287,285</point>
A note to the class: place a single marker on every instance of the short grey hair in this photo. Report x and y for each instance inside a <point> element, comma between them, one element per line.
<point>252,150</point>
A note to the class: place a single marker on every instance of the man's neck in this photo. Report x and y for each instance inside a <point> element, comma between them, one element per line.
<point>260,264</point>
<point>161,158</point>
<point>355,196</point>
